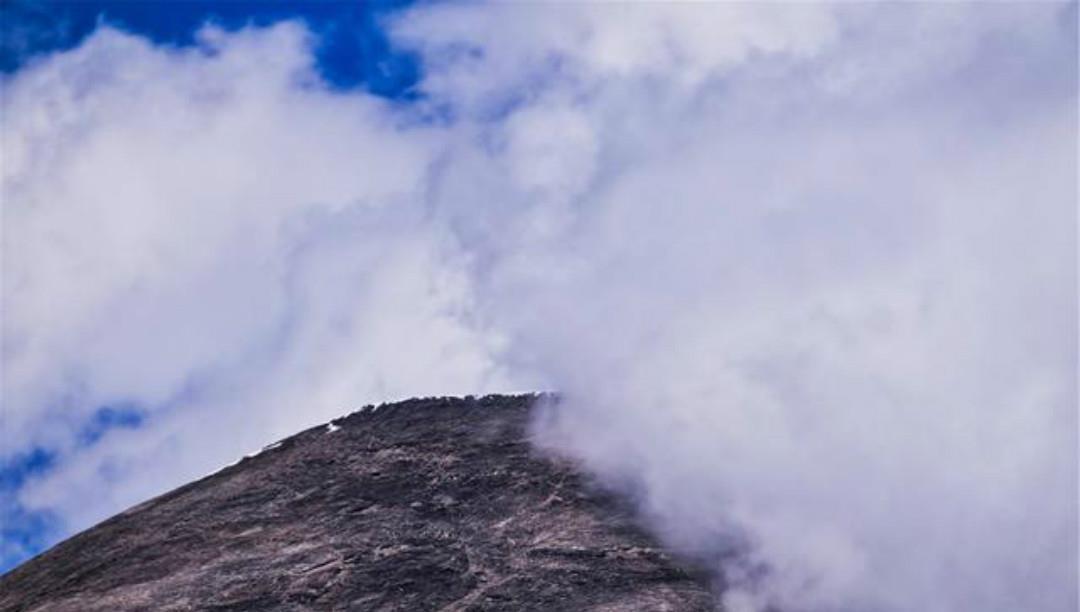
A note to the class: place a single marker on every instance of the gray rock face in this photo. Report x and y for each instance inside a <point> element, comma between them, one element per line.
<point>437,504</point>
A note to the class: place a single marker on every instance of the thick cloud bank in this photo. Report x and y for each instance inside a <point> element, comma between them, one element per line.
<point>804,275</point>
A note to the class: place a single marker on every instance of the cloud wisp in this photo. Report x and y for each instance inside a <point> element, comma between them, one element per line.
<point>804,276</point>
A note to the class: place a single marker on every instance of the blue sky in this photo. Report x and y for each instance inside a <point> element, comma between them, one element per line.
<point>353,53</point>
<point>804,273</point>
<point>26,532</point>
<point>353,50</point>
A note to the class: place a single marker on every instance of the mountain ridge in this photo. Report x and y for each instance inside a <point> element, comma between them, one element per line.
<point>426,504</point>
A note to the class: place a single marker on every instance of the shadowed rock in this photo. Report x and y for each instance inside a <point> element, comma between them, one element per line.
<point>436,504</point>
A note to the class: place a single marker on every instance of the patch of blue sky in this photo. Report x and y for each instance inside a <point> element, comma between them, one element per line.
<point>107,418</point>
<point>353,50</point>
<point>15,471</point>
<point>24,532</point>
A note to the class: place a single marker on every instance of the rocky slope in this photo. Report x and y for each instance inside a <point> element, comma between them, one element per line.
<point>437,504</point>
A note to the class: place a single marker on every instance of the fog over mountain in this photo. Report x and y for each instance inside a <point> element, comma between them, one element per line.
<point>804,276</point>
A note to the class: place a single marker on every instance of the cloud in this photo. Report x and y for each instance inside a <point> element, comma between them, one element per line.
<point>195,232</point>
<point>805,276</point>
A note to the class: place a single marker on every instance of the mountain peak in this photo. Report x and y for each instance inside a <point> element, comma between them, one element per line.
<point>428,504</point>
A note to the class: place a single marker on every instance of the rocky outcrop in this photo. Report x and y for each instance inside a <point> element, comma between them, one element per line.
<point>435,504</point>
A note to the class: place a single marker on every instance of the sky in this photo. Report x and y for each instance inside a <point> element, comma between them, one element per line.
<point>804,275</point>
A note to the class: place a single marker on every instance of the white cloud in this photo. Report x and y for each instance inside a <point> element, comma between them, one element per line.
<point>806,275</point>
<point>207,231</point>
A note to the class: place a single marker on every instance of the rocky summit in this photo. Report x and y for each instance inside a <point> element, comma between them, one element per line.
<point>432,504</point>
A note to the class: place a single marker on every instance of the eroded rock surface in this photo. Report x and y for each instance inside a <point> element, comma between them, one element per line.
<point>437,504</point>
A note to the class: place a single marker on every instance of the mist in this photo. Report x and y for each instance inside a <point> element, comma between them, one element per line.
<point>804,277</point>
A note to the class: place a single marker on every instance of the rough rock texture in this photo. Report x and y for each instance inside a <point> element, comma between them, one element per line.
<point>436,504</point>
